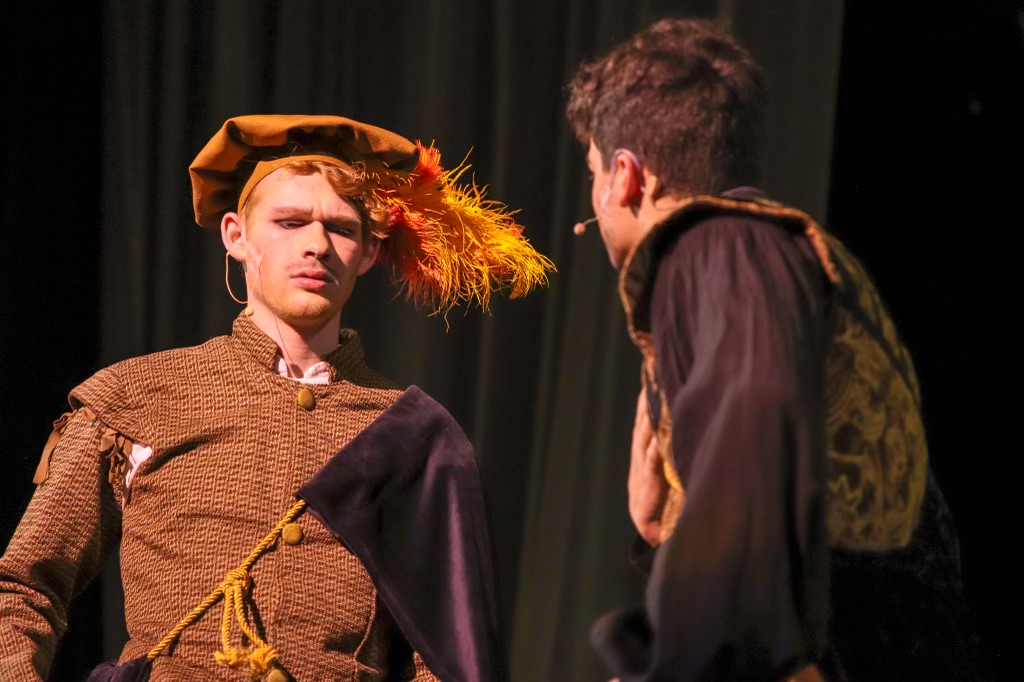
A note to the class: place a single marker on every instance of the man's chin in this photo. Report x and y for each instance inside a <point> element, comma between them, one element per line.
<point>311,320</point>
<point>309,316</point>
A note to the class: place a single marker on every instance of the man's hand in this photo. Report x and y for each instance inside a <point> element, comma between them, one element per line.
<point>648,487</point>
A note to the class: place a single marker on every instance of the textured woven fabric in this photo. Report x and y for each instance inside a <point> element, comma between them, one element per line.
<point>71,524</point>
<point>231,446</point>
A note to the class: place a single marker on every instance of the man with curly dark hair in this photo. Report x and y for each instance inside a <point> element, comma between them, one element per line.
<point>779,475</point>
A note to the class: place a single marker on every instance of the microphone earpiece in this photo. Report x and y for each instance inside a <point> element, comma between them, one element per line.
<point>580,228</point>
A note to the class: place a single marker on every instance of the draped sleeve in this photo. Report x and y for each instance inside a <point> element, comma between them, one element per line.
<point>740,590</point>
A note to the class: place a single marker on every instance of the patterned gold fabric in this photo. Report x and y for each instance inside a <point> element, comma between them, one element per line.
<point>231,446</point>
<point>661,423</point>
<point>877,455</point>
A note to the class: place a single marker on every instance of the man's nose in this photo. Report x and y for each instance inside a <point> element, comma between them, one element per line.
<point>317,239</point>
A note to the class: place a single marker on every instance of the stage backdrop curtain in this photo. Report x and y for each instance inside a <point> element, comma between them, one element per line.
<point>545,386</point>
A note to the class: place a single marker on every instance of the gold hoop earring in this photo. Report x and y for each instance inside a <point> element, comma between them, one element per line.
<point>227,283</point>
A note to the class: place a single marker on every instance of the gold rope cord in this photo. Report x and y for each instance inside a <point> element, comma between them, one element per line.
<point>235,589</point>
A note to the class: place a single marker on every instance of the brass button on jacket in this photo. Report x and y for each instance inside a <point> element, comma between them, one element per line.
<point>292,534</point>
<point>306,399</point>
<point>277,675</point>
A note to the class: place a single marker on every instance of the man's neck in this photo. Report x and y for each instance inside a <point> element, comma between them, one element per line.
<point>656,204</point>
<point>300,348</point>
<point>654,211</point>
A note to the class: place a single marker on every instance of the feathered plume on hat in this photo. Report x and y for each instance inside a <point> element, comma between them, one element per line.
<point>445,244</point>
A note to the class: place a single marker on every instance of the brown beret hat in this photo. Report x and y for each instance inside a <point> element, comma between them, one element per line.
<point>231,158</point>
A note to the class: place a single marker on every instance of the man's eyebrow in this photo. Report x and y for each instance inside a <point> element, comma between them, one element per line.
<point>343,220</point>
<point>299,211</point>
<point>290,210</point>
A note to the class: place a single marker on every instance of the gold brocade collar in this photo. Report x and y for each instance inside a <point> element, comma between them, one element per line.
<point>342,362</point>
<point>636,278</point>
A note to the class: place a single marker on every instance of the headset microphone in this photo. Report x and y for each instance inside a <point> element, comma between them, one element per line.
<point>580,228</point>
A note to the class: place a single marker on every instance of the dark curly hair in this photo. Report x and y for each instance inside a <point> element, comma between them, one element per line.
<point>683,96</point>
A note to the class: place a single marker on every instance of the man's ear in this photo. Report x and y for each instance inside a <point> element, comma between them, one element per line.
<point>232,233</point>
<point>371,249</point>
<point>627,179</point>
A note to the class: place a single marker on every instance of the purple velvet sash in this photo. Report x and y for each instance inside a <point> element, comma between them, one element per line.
<point>404,496</point>
<point>135,670</point>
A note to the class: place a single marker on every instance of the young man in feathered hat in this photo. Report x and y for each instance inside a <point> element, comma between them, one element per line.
<point>284,512</point>
<point>779,477</point>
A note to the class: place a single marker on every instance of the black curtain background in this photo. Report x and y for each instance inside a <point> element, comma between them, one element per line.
<point>898,123</point>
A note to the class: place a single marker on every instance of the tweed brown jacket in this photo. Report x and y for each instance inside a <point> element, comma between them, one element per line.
<point>231,445</point>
